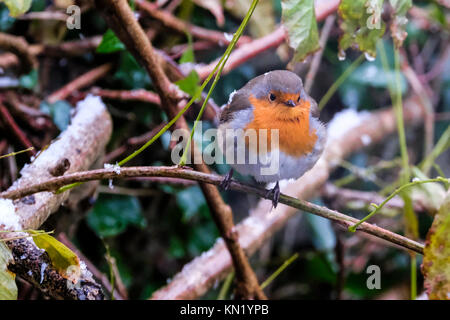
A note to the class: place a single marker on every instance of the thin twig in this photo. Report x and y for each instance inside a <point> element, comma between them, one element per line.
<point>317,58</point>
<point>176,172</point>
<point>21,49</point>
<point>181,26</point>
<point>80,82</point>
<point>13,127</point>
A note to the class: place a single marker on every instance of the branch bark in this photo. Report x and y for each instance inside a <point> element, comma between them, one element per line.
<point>80,82</point>
<point>79,145</point>
<point>19,47</point>
<point>177,172</point>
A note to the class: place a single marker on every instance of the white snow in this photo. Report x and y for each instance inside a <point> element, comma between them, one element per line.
<point>114,167</point>
<point>344,121</point>
<point>366,139</point>
<point>228,36</point>
<point>43,267</point>
<point>87,111</point>
<point>8,217</point>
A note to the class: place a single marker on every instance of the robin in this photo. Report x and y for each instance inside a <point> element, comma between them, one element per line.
<point>277,105</point>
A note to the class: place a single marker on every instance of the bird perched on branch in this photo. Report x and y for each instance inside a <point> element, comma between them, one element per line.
<point>270,130</point>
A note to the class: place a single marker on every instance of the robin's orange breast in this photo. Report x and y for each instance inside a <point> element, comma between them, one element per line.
<point>295,137</point>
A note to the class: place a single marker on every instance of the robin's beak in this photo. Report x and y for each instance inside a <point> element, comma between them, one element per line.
<point>290,103</point>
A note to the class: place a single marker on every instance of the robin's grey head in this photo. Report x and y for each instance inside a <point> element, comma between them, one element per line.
<point>280,86</point>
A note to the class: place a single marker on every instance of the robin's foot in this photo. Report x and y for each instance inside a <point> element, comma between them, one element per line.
<point>274,194</point>
<point>225,184</point>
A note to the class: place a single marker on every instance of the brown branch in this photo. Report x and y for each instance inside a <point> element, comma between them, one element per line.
<point>36,267</point>
<point>80,144</point>
<point>11,125</point>
<point>128,95</point>
<point>19,47</point>
<point>200,274</point>
<point>80,82</point>
<point>121,19</point>
<point>176,172</point>
<point>317,58</point>
<point>245,52</point>
<point>272,40</point>
<point>181,26</point>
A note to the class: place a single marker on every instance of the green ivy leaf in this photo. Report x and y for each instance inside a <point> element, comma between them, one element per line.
<point>362,25</point>
<point>8,287</point>
<point>436,259</point>
<point>130,73</point>
<point>190,83</point>
<point>299,19</point>
<point>110,43</point>
<point>17,7</point>
<point>190,201</point>
<point>59,111</point>
<point>112,214</point>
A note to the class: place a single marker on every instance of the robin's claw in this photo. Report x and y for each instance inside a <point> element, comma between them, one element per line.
<point>274,194</point>
<point>225,184</point>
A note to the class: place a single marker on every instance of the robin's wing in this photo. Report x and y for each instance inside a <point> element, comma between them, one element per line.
<point>315,112</point>
<point>238,102</point>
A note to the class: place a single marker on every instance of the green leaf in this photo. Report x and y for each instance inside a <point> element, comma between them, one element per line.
<point>190,201</point>
<point>190,83</point>
<point>30,80</point>
<point>8,287</point>
<point>130,73</point>
<point>17,7</point>
<point>361,24</point>
<point>112,214</point>
<point>59,111</point>
<point>63,259</point>
<point>188,54</point>
<point>436,260</point>
<point>110,43</point>
<point>6,21</point>
<point>399,22</point>
<point>299,19</point>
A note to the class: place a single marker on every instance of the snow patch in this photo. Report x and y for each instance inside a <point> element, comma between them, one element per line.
<point>43,267</point>
<point>114,167</point>
<point>228,36</point>
<point>344,121</point>
<point>8,217</point>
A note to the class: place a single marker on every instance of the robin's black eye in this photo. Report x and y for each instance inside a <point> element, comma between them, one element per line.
<point>272,97</point>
